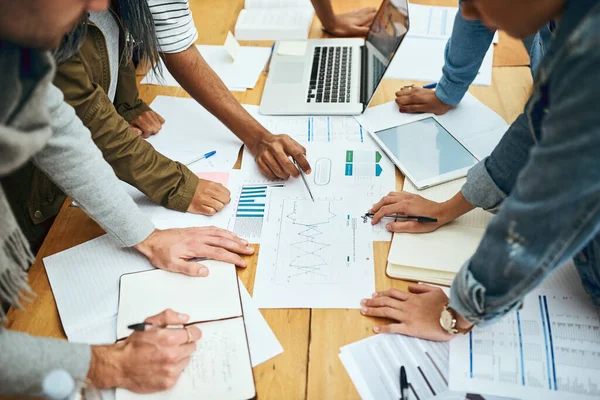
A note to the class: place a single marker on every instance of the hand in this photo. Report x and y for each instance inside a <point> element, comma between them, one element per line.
<point>418,99</point>
<point>148,123</point>
<point>409,204</point>
<point>209,198</point>
<point>272,156</point>
<point>416,313</point>
<point>147,361</point>
<point>172,249</point>
<point>354,23</point>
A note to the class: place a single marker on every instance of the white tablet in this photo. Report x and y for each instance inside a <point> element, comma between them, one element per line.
<point>425,152</point>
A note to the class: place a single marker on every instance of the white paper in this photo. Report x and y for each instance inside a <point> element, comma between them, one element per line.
<point>433,21</point>
<point>232,46</point>
<point>213,297</point>
<point>548,349</point>
<point>472,123</point>
<point>237,75</point>
<point>262,340</point>
<point>292,48</point>
<point>313,254</point>
<point>274,24</point>
<point>277,3</point>
<point>219,368</point>
<point>422,58</point>
<point>190,131</point>
<point>373,365</point>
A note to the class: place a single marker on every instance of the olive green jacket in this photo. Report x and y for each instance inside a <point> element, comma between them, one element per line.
<point>84,79</point>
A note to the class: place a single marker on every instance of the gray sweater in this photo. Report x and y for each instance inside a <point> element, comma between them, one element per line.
<point>75,164</point>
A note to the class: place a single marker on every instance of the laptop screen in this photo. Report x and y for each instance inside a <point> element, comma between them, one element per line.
<point>386,34</point>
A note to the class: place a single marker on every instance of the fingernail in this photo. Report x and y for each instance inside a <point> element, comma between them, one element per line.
<point>182,317</point>
<point>374,294</point>
<point>402,109</point>
<point>309,171</point>
<point>363,310</point>
<point>376,329</point>
<point>203,271</point>
<point>363,302</point>
<point>388,227</point>
<point>244,242</point>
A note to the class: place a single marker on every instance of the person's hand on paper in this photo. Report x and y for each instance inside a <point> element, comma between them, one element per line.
<point>209,198</point>
<point>354,23</point>
<point>414,313</point>
<point>147,124</point>
<point>408,204</point>
<point>147,361</point>
<point>272,155</point>
<point>420,100</point>
<point>172,249</point>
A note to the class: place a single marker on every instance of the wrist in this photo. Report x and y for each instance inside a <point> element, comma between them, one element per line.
<point>454,208</point>
<point>105,368</point>
<point>146,246</point>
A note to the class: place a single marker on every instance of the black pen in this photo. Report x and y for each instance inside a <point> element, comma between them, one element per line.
<point>403,384</point>
<point>142,326</point>
<point>418,218</point>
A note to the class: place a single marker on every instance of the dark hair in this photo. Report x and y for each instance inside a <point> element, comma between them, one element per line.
<point>135,20</point>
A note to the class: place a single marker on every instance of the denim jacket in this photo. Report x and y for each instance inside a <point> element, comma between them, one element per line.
<point>465,51</point>
<point>544,178</point>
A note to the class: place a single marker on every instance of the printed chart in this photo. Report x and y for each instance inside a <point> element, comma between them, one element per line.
<point>250,210</point>
<point>313,254</point>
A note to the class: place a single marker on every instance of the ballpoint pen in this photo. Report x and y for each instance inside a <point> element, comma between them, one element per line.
<point>403,384</point>
<point>418,218</point>
<point>142,326</point>
<point>305,182</point>
<point>430,86</point>
<point>207,155</point>
<point>268,64</point>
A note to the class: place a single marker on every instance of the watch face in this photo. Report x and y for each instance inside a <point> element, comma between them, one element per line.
<point>446,320</point>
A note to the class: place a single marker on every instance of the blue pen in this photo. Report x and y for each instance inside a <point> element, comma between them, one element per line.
<point>268,65</point>
<point>430,86</point>
<point>207,155</point>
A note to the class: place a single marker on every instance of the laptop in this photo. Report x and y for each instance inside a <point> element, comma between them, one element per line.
<point>335,76</point>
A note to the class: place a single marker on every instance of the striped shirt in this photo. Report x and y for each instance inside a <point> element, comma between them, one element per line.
<point>175,29</point>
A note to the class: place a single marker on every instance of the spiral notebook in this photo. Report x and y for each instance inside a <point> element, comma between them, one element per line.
<point>437,256</point>
<point>220,368</point>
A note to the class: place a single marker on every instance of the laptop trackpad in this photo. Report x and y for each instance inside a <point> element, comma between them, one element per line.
<point>289,72</point>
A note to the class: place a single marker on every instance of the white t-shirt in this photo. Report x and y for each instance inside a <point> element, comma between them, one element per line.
<point>175,29</point>
<point>107,24</point>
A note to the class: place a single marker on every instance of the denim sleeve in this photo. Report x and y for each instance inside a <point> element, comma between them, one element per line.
<point>464,54</point>
<point>553,211</point>
<point>492,180</point>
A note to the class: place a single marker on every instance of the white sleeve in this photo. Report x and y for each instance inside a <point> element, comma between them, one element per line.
<point>175,29</point>
<point>74,163</point>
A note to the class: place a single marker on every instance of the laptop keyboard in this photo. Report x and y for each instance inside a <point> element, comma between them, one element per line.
<point>330,76</point>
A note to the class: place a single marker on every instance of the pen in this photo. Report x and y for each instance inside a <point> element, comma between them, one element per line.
<point>142,326</point>
<point>305,182</point>
<point>207,155</point>
<point>268,65</point>
<point>430,86</point>
<point>403,384</point>
<point>419,218</point>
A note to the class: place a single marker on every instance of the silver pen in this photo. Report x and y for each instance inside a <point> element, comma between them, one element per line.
<point>305,182</point>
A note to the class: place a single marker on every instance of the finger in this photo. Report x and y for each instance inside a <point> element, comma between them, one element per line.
<point>160,118</point>
<point>394,293</point>
<point>266,169</point>
<point>218,191</point>
<point>212,203</point>
<point>274,165</point>
<point>167,317</point>
<point>282,157</point>
<point>136,130</point>
<point>392,328</point>
<point>171,337</point>
<point>396,207</point>
<point>421,288</point>
<point>154,118</point>
<point>202,210</point>
<point>200,232</point>
<point>383,301</point>
<point>390,198</point>
<point>221,254</point>
<point>141,123</point>
<point>302,161</point>
<point>186,267</point>
<point>383,312</point>
<point>406,227</point>
<point>415,108</point>
<point>360,30</point>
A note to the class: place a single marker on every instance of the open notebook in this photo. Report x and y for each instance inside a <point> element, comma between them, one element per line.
<point>437,256</point>
<point>220,368</point>
<point>274,20</point>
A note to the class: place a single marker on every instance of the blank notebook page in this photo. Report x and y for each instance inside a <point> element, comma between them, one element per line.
<point>202,298</point>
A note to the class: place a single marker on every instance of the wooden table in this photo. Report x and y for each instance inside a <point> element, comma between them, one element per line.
<point>309,367</point>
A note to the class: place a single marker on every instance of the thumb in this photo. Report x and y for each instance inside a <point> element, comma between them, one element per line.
<point>167,317</point>
<point>404,226</point>
<point>420,288</point>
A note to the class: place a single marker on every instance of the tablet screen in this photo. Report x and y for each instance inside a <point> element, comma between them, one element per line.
<point>426,149</point>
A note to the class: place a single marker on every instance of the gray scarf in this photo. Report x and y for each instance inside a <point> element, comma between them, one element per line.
<point>24,130</point>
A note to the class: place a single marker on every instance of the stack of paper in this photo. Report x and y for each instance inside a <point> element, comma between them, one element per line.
<point>437,256</point>
<point>421,54</point>
<point>274,20</point>
<point>238,75</point>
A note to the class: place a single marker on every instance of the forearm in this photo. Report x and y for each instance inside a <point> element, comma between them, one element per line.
<point>454,208</point>
<point>26,360</point>
<point>201,82</point>
<point>324,11</point>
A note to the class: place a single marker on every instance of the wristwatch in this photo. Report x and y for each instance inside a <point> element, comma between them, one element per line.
<point>448,322</point>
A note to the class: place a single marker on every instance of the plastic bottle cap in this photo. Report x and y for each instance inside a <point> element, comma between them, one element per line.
<point>58,385</point>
